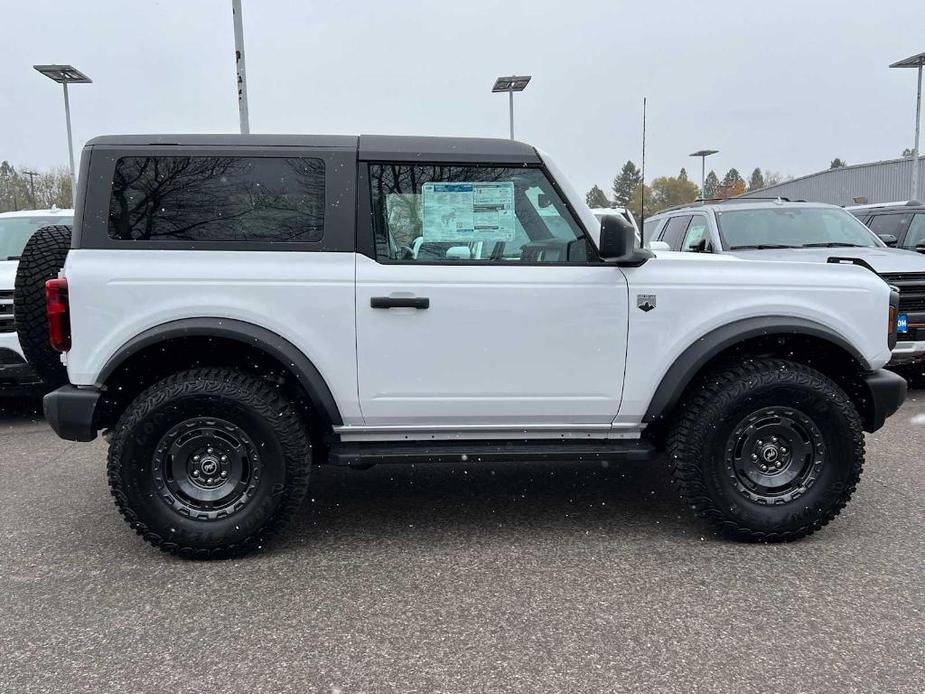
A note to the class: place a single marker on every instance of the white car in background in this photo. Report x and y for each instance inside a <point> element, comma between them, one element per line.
<point>778,229</point>
<point>16,228</point>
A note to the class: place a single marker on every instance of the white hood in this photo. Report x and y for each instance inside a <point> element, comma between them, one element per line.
<point>881,259</point>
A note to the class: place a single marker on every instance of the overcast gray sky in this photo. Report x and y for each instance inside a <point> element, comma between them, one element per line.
<point>782,85</point>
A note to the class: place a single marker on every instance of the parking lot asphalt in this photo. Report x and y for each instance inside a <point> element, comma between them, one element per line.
<point>571,577</point>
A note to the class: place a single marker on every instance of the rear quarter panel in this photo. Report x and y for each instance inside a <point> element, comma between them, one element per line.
<point>305,297</point>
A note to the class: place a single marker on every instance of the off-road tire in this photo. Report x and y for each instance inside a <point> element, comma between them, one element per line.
<point>275,438</point>
<point>702,454</point>
<point>41,259</point>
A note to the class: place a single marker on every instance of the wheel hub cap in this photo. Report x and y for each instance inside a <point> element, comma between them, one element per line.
<point>206,468</point>
<point>774,455</point>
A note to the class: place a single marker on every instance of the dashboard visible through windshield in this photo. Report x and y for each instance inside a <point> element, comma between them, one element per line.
<point>792,227</point>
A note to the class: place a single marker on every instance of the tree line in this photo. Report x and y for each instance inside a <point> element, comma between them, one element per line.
<point>629,191</point>
<point>31,189</point>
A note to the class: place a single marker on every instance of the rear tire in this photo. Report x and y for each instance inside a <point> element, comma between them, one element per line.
<point>209,463</point>
<point>767,451</point>
<point>41,260</point>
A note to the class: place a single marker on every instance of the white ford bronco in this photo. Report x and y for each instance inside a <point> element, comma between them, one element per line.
<point>235,309</point>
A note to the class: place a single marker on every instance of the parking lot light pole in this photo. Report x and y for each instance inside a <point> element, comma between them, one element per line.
<point>703,154</point>
<point>64,75</point>
<point>514,83</point>
<point>916,61</point>
<point>241,80</point>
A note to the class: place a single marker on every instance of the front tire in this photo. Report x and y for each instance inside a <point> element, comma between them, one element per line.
<point>767,451</point>
<point>209,463</point>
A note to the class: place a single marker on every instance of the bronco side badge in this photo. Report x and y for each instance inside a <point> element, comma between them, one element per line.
<point>645,302</point>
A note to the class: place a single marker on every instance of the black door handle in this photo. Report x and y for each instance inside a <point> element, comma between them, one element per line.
<point>399,302</point>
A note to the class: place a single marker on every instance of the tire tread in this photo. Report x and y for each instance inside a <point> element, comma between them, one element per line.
<point>713,396</point>
<point>260,395</point>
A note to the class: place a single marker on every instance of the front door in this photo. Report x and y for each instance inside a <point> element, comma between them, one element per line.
<point>484,305</point>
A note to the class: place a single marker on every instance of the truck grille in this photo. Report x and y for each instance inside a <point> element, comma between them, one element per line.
<point>911,287</point>
<point>6,311</point>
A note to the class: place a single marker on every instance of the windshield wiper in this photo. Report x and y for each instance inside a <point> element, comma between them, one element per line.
<point>12,257</point>
<point>761,247</point>
<point>832,244</point>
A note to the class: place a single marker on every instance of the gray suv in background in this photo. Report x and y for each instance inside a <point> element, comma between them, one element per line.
<point>777,229</point>
<point>898,224</point>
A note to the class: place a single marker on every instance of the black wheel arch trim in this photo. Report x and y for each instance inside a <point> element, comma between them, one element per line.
<point>246,333</point>
<point>697,355</point>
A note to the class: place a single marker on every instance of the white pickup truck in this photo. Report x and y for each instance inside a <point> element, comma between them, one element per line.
<point>235,308</point>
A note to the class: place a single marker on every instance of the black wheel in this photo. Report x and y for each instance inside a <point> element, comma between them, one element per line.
<point>768,451</point>
<point>41,259</point>
<point>209,463</point>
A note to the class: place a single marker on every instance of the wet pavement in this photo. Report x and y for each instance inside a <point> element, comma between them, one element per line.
<point>486,577</point>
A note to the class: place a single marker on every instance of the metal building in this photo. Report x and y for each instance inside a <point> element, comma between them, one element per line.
<point>879,181</point>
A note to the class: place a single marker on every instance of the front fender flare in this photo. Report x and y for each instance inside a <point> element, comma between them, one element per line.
<point>695,357</point>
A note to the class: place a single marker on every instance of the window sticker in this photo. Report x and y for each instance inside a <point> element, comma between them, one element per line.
<point>477,211</point>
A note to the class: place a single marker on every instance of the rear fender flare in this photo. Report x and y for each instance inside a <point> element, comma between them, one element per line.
<point>290,356</point>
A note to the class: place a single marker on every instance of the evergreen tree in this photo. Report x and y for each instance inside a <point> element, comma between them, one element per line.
<point>732,177</point>
<point>625,183</point>
<point>756,181</point>
<point>596,198</point>
<point>683,175</point>
<point>710,184</point>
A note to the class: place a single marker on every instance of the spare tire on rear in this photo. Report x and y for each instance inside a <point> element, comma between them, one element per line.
<point>41,259</point>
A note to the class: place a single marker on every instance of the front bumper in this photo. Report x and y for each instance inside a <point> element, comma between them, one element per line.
<point>886,392</point>
<point>71,412</point>
<point>15,374</point>
<point>908,351</point>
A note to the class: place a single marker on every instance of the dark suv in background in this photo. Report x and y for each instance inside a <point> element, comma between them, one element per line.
<point>900,225</point>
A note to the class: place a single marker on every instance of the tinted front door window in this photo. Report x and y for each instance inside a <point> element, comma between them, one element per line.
<point>894,224</point>
<point>915,237</point>
<point>696,237</point>
<point>440,214</point>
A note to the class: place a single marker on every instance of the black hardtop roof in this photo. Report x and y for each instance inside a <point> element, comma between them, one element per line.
<point>368,147</point>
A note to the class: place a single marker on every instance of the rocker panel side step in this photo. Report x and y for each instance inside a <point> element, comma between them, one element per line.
<point>365,454</point>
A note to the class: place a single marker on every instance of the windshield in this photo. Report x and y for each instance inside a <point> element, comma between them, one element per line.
<point>16,231</point>
<point>792,227</point>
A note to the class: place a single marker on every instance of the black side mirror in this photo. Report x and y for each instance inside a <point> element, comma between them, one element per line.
<point>888,239</point>
<point>618,242</point>
<point>700,246</point>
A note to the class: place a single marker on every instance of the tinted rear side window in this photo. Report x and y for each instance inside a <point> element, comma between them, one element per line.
<point>217,198</point>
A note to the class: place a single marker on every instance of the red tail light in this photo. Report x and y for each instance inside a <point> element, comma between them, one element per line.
<point>59,323</point>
